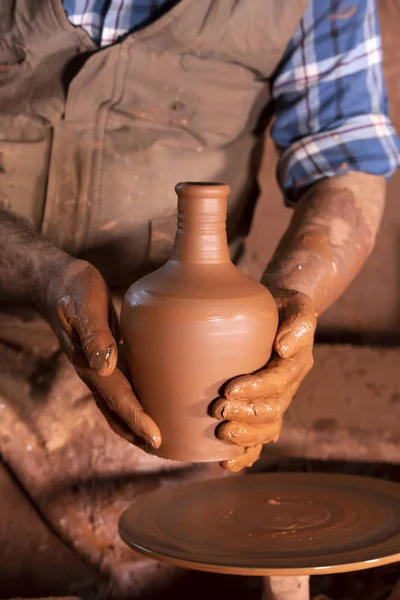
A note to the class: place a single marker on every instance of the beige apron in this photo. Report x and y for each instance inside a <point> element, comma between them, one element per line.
<point>92,143</point>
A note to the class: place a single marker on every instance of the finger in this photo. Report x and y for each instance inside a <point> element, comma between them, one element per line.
<point>117,425</point>
<point>115,422</point>
<point>297,329</point>
<point>236,409</point>
<point>272,381</point>
<point>98,345</point>
<point>247,459</point>
<point>91,323</point>
<point>120,399</point>
<point>250,434</point>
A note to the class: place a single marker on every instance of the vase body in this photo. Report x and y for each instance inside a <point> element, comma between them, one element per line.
<point>192,325</point>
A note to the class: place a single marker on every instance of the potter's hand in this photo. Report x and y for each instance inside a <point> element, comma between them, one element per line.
<point>254,405</point>
<point>77,303</point>
<point>330,235</point>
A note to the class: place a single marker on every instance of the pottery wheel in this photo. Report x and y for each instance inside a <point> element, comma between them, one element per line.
<point>269,524</point>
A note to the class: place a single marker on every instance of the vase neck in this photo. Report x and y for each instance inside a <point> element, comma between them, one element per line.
<point>201,234</point>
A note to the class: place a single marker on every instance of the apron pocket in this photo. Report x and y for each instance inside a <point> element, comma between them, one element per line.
<point>24,160</point>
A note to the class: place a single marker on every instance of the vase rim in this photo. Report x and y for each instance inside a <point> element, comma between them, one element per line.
<point>204,189</point>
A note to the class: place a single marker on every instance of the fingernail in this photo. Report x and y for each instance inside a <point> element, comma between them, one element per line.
<point>155,442</point>
<point>284,344</point>
<point>232,465</point>
<point>220,412</point>
<point>101,359</point>
<point>152,438</point>
<point>97,361</point>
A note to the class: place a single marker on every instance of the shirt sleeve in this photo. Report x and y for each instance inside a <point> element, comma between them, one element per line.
<point>330,98</point>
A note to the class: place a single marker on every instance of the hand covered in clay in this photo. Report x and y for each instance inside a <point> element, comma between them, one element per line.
<point>77,303</point>
<point>254,405</point>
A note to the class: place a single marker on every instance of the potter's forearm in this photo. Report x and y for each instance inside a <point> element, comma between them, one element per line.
<point>27,260</point>
<point>331,234</point>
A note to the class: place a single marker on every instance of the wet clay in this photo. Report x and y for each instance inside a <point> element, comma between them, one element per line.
<point>193,325</point>
<point>270,524</point>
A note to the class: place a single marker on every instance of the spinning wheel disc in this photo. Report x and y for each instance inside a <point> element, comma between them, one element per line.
<point>269,524</point>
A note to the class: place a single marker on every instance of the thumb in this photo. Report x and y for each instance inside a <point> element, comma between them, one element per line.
<point>298,323</point>
<point>98,343</point>
<point>92,317</point>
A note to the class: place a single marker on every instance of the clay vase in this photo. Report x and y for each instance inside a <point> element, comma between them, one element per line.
<point>192,325</point>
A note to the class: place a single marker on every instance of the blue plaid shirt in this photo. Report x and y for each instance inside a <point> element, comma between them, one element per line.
<point>329,92</point>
